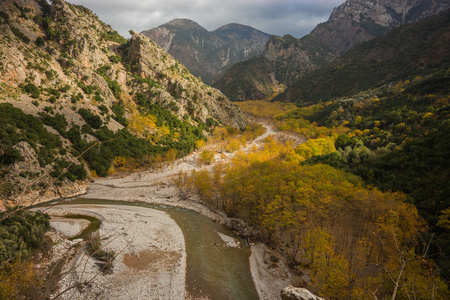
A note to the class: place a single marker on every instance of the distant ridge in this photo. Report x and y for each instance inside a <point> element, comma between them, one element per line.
<point>410,50</point>
<point>208,54</point>
<point>351,23</point>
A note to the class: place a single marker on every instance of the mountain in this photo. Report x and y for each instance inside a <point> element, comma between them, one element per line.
<point>416,49</point>
<point>351,23</point>
<point>76,97</point>
<point>208,54</point>
<point>356,21</point>
<point>283,60</point>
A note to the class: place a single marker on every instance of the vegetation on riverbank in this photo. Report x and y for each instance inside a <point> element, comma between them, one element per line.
<point>352,238</point>
<point>21,234</point>
<point>349,204</point>
<point>394,137</point>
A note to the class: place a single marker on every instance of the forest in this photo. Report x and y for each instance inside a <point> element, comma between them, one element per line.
<point>363,204</point>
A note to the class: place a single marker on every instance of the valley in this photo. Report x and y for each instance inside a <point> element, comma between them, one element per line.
<point>124,174</point>
<point>156,187</point>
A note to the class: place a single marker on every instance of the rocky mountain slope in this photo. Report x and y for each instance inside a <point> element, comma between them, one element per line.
<point>75,95</point>
<point>283,60</point>
<point>208,54</point>
<point>411,50</point>
<point>356,21</point>
<point>351,23</point>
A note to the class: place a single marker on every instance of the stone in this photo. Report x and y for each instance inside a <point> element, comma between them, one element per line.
<point>295,293</point>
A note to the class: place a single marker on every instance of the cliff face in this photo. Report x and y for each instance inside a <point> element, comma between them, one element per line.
<point>81,83</point>
<point>190,93</point>
<point>411,50</point>
<point>356,21</point>
<point>208,54</point>
<point>286,59</point>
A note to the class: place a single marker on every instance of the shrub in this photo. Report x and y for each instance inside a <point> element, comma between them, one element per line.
<point>92,120</point>
<point>32,89</point>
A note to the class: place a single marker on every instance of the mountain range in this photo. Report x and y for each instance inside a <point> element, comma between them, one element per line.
<point>208,54</point>
<point>416,49</point>
<point>285,59</point>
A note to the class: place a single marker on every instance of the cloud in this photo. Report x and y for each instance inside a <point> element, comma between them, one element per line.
<point>295,17</point>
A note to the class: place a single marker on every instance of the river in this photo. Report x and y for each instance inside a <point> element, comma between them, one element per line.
<point>214,269</point>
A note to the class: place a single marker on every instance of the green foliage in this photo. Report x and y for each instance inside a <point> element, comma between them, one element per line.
<point>113,85</point>
<point>94,248</point>
<point>32,89</point>
<point>10,156</point>
<point>119,114</point>
<point>92,120</point>
<point>397,55</point>
<point>113,36</point>
<point>103,109</point>
<point>398,141</point>
<point>63,169</point>
<point>21,232</point>
<point>4,16</point>
<point>115,59</point>
<point>40,42</point>
<point>17,126</point>
<point>57,121</point>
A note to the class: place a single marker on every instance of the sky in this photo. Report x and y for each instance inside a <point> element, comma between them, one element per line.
<point>280,17</point>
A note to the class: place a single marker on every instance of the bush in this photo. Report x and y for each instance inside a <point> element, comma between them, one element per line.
<point>40,42</point>
<point>21,232</point>
<point>92,120</point>
<point>33,90</point>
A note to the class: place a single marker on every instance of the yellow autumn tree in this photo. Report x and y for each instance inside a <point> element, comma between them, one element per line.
<point>142,125</point>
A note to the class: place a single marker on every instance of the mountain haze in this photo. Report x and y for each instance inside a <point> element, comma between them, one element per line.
<point>208,54</point>
<point>351,23</point>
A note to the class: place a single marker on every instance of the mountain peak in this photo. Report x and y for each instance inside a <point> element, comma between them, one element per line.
<point>208,54</point>
<point>234,26</point>
<point>356,21</point>
<point>183,23</point>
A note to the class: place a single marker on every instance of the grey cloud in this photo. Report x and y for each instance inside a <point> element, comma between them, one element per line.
<point>296,17</point>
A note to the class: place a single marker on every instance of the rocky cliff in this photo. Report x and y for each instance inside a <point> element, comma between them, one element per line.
<point>406,53</point>
<point>285,59</point>
<point>208,54</point>
<point>75,95</point>
<point>356,21</point>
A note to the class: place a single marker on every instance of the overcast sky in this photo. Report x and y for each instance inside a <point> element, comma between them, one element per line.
<point>295,17</point>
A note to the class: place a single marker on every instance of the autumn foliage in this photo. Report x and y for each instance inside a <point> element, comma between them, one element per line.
<point>354,240</point>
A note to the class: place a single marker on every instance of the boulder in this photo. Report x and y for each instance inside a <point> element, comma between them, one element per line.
<point>294,293</point>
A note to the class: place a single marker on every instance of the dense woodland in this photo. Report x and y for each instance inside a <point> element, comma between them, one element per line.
<point>362,204</point>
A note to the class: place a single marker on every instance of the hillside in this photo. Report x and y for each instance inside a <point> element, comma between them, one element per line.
<point>76,98</point>
<point>283,60</point>
<point>208,54</point>
<point>351,23</point>
<point>411,50</point>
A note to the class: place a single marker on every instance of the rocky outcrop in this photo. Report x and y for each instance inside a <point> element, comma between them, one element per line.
<point>152,62</point>
<point>208,54</point>
<point>294,293</point>
<point>356,21</point>
<point>410,50</point>
<point>60,63</point>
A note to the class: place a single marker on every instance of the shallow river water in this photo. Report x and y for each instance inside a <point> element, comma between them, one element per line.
<point>214,269</point>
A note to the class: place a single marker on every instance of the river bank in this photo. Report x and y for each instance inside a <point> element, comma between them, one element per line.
<point>149,250</point>
<point>156,187</point>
